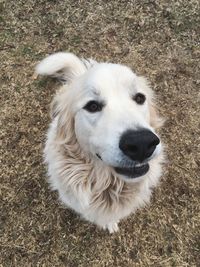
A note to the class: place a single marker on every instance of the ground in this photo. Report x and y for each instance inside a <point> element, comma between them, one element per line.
<point>158,39</point>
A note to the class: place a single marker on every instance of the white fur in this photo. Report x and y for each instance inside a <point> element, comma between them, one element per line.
<point>66,62</point>
<point>85,183</point>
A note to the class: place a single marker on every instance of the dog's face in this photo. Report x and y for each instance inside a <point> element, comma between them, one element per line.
<point>113,117</point>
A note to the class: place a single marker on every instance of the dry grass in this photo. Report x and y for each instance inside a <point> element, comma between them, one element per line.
<point>156,39</point>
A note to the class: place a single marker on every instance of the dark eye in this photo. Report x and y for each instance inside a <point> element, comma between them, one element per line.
<point>93,106</point>
<point>139,98</point>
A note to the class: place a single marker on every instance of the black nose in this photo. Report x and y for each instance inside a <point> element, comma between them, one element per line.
<point>138,145</point>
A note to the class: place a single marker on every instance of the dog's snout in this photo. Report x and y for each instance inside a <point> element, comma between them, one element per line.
<point>138,145</point>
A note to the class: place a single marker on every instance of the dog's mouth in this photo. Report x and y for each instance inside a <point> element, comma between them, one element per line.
<point>136,171</point>
<point>133,172</point>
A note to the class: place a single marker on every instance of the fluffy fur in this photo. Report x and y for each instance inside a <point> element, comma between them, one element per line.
<point>85,183</point>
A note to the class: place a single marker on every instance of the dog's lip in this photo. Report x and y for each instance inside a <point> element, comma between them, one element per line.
<point>133,172</point>
<point>98,156</point>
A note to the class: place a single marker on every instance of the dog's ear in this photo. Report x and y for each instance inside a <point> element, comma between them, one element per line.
<point>64,66</point>
<point>60,102</point>
<point>54,108</point>
<point>60,110</point>
<point>155,120</point>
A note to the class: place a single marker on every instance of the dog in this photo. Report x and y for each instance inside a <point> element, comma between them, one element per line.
<point>102,150</point>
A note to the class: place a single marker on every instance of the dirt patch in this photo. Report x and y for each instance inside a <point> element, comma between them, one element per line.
<point>155,38</point>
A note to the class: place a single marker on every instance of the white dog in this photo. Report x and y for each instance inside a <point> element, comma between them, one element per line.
<point>102,151</point>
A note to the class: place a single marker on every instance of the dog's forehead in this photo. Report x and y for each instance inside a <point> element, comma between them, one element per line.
<point>106,77</point>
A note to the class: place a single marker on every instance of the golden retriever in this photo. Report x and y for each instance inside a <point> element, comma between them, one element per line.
<point>103,153</point>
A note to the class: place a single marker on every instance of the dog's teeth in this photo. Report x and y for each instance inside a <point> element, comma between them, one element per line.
<point>139,164</point>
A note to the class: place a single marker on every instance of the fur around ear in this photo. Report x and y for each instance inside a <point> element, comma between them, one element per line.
<point>64,66</point>
<point>155,120</point>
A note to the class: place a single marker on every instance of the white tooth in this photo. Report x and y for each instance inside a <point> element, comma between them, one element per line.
<point>139,164</point>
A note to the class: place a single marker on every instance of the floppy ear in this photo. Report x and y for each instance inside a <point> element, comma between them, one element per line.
<point>64,66</point>
<point>61,108</point>
<point>65,132</point>
<point>155,120</point>
<point>54,108</point>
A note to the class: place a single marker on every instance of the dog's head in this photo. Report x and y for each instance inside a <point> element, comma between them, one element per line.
<point>111,111</point>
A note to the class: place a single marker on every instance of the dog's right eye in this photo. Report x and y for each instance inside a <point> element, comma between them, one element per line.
<point>93,106</point>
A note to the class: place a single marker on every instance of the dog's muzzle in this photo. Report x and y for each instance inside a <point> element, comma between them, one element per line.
<point>138,146</point>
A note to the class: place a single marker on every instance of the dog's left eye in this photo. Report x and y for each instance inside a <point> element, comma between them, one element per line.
<point>93,106</point>
<point>139,98</point>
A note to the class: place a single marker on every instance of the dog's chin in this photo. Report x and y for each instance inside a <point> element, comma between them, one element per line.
<point>137,171</point>
<point>130,173</point>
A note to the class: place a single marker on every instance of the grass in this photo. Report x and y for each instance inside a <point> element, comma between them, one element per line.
<point>158,39</point>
